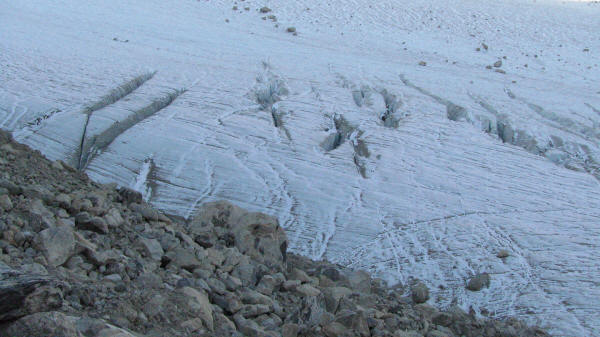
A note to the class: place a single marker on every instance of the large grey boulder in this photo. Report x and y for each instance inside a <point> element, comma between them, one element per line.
<point>43,324</point>
<point>196,304</point>
<point>57,244</point>
<point>255,234</point>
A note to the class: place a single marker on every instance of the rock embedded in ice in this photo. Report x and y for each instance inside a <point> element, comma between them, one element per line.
<point>479,281</point>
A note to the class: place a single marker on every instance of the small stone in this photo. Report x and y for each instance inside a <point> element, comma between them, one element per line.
<point>152,248</point>
<point>196,304</point>
<point>479,281</point>
<point>307,290</point>
<point>291,29</point>
<point>229,302</point>
<point>113,218</point>
<point>57,165</point>
<point>333,296</point>
<point>500,71</point>
<point>485,46</point>
<point>113,278</point>
<point>291,330</point>
<point>332,273</point>
<point>442,318</point>
<point>298,274</point>
<point>356,321</point>
<point>84,221</point>
<point>232,283</point>
<point>11,187</point>
<point>360,281</point>
<point>84,205</point>
<point>503,253</point>
<point>63,201</point>
<point>335,329</point>
<point>498,64</point>
<point>267,284</point>
<point>250,296</point>
<point>265,9</point>
<point>291,285</point>
<point>5,203</point>
<point>149,213</point>
<point>254,310</point>
<point>422,63</point>
<point>235,8</point>
<point>130,196</point>
<point>192,325</point>
<point>420,293</point>
<point>184,258</point>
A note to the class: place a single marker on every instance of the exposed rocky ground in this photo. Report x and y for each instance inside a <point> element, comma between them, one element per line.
<point>82,259</point>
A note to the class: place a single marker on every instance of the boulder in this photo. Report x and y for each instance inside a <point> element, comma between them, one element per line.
<point>479,281</point>
<point>196,304</point>
<point>333,296</point>
<point>43,324</point>
<point>5,203</point>
<point>420,293</point>
<point>83,220</point>
<point>130,196</point>
<point>57,244</point>
<point>255,234</point>
<point>355,321</point>
<point>151,248</point>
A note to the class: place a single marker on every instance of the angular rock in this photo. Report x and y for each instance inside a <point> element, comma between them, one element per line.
<point>63,201</point>
<point>250,296</point>
<point>503,253</point>
<point>420,293</point>
<point>360,281</point>
<point>267,285</point>
<point>184,258</point>
<point>298,274</point>
<point>290,330</point>
<point>5,203</point>
<point>255,234</point>
<point>335,329</point>
<point>113,218</point>
<point>247,327</point>
<point>151,248</point>
<point>11,187</point>
<point>355,321</point>
<point>479,281</point>
<point>333,296</point>
<point>57,244</point>
<point>196,304</point>
<point>307,290</point>
<point>253,310</point>
<point>229,303</point>
<point>130,196</point>
<point>83,220</point>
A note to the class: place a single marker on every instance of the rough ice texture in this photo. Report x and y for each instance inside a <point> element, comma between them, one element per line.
<point>475,162</point>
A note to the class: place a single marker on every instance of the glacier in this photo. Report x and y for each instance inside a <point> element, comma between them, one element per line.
<point>385,136</point>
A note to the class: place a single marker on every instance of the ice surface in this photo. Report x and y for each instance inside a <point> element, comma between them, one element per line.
<point>366,157</point>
